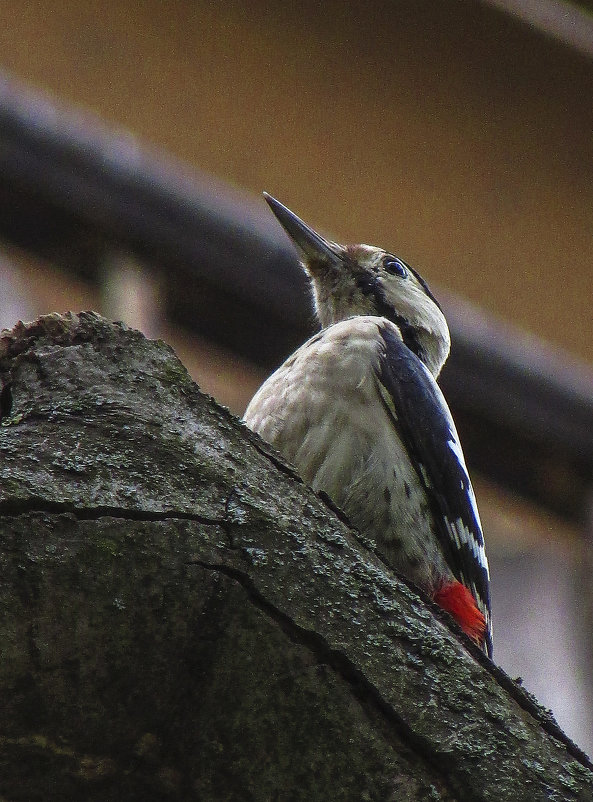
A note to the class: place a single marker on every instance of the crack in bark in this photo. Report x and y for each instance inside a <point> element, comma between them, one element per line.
<point>17,507</point>
<point>367,694</point>
<point>366,691</point>
<point>5,399</point>
<point>13,508</point>
<point>520,695</point>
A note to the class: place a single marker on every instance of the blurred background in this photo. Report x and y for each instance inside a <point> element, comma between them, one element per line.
<point>136,138</point>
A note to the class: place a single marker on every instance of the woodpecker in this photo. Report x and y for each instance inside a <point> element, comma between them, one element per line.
<point>358,411</point>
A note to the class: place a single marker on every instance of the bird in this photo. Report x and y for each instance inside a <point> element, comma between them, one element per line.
<point>358,411</point>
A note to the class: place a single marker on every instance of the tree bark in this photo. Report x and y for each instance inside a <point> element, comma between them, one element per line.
<point>182,618</point>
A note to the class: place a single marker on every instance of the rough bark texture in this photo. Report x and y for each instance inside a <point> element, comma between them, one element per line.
<point>181,618</point>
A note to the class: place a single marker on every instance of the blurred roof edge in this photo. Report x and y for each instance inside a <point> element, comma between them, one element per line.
<point>569,23</point>
<point>69,185</point>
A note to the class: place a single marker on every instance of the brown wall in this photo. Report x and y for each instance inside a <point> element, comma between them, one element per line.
<point>444,130</point>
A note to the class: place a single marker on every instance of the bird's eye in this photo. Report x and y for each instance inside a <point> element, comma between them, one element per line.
<point>395,268</point>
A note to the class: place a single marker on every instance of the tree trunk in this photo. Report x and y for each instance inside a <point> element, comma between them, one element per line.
<point>182,618</point>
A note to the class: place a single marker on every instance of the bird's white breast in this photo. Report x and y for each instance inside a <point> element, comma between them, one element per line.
<point>322,410</point>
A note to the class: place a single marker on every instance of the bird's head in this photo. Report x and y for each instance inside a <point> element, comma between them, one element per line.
<point>350,280</point>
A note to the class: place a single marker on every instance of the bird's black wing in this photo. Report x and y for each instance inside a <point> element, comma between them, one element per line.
<point>426,427</point>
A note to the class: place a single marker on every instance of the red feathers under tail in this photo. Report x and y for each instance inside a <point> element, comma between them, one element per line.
<point>458,601</point>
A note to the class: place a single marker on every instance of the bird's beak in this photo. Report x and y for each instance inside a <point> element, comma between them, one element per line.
<point>314,248</point>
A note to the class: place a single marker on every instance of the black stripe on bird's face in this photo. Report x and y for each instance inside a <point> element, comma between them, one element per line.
<point>368,283</point>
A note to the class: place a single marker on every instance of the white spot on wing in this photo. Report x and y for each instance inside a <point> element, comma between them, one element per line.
<point>455,447</point>
<point>461,534</point>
